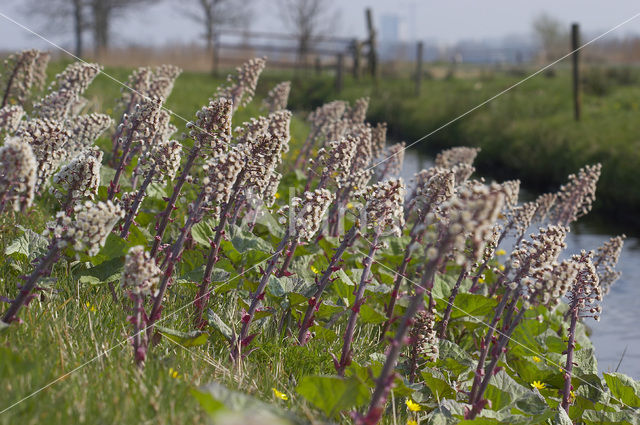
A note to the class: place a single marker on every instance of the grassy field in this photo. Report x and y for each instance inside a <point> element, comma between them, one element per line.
<point>528,133</point>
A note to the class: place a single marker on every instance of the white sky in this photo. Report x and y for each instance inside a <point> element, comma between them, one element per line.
<point>444,21</point>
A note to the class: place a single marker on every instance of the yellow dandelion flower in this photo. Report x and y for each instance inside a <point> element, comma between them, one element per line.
<point>501,252</point>
<point>501,267</point>
<point>412,405</point>
<point>412,422</point>
<point>315,270</point>
<point>480,280</point>
<point>90,306</point>
<point>539,385</point>
<point>349,205</point>
<point>173,373</point>
<point>277,195</point>
<point>280,395</point>
<point>537,359</point>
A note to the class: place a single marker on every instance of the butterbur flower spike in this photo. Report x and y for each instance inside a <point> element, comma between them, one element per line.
<point>65,91</point>
<point>306,213</point>
<point>18,77</point>
<point>140,278</point>
<point>84,130</point>
<point>18,167</point>
<point>278,97</point>
<point>383,206</point>
<point>241,86</point>
<point>10,117</point>
<point>48,140</point>
<point>87,232</point>
<point>456,156</point>
<point>79,179</point>
<point>584,296</point>
<point>575,198</point>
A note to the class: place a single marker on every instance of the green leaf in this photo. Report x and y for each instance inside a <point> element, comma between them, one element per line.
<point>156,190</point>
<point>370,315</point>
<point>562,418</point>
<point>105,272</point>
<point>437,383</point>
<point>502,390</point>
<point>216,399</point>
<point>216,323</point>
<point>187,339</point>
<point>29,246</point>
<point>204,232</point>
<point>599,417</point>
<point>196,275</point>
<point>332,394</point>
<point>244,241</point>
<point>472,305</point>
<point>623,388</point>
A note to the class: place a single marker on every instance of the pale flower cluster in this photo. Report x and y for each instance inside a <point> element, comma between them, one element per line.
<point>10,117</point>
<point>80,178</point>
<point>141,275</point>
<point>17,173</point>
<point>241,87</point>
<point>88,232</point>
<point>278,97</point>
<point>383,205</point>
<point>423,335</point>
<point>306,213</point>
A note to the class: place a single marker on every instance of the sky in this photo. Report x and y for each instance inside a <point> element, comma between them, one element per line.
<point>438,21</point>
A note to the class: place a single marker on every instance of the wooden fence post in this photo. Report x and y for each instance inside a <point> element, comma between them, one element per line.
<point>373,55</point>
<point>575,44</point>
<point>339,71</point>
<point>357,52</point>
<point>419,67</point>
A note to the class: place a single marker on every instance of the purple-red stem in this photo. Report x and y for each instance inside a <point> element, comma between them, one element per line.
<point>128,220</point>
<point>452,298</point>
<point>256,297</point>
<point>384,381</point>
<point>44,267</point>
<point>166,215</point>
<point>314,302</point>
<point>566,393</point>
<point>345,357</point>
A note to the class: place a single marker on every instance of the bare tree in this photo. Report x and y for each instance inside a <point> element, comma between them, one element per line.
<point>308,19</point>
<point>102,13</point>
<point>211,15</point>
<point>552,34</point>
<point>59,15</point>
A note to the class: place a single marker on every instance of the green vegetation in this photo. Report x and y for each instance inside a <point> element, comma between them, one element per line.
<point>528,132</point>
<point>74,335</point>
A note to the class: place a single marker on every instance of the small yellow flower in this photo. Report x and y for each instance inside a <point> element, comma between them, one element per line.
<point>501,252</point>
<point>539,385</point>
<point>572,395</point>
<point>480,280</point>
<point>281,396</point>
<point>537,359</point>
<point>315,270</point>
<point>413,406</point>
<point>349,205</point>
<point>277,195</point>
<point>501,267</point>
<point>90,306</point>
<point>412,422</point>
<point>173,373</point>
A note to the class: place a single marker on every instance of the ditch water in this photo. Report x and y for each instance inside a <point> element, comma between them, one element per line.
<point>618,330</point>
